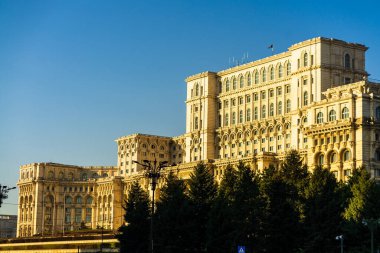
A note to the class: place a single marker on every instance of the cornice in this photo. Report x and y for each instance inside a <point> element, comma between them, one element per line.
<point>200,75</point>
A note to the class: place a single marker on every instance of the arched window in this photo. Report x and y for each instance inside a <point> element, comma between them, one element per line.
<point>94,175</point>
<point>256,77</point>
<point>288,105</point>
<point>319,118</point>
<point>271,73</point>
<point>332,115</point>
<point>84,177</point>
<point>234,83</point>
<point>227,85</point>
<point>241,82</point>
<point>321,159</point>
<point>305,60</point>
<point>248,115</point>
<point>345,113</point>
<point>280,71</point>
<point>333,157</point>
<point>220,87</point>
<point>226,119</point>
<point>263,111</point>
<point>279,108</point>
<point>78,200</point>
<point>89,200</point>
<point>305,98</point>
<point>255,113</point>
<point>347,61</point>
<point>288,68</point>
<point>233,121</point>
<point>264,76</point>
<point>196,90</point>
<point>50,175</point>
<point>346,156</point>
<point>241,116</point>
<point>271,110</point>
<point>68,200</point>
<point>249,79</point>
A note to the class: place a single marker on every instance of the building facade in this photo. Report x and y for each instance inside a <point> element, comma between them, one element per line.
<point>8,226</point>
<point>315,98</point>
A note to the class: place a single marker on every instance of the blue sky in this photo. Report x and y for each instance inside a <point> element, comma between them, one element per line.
<point>76,75</point>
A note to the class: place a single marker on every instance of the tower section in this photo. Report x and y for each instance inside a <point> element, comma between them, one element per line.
<point>201,116</point>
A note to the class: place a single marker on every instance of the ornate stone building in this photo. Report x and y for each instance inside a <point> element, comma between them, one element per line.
<point>315,98</point>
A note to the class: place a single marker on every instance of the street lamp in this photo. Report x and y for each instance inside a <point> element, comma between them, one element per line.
<point>153,172</point>
<point>3,192</point>
<point>340,237</point>
<point>371,224</point>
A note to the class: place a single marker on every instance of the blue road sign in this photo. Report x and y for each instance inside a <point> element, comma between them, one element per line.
<point>241,249</point>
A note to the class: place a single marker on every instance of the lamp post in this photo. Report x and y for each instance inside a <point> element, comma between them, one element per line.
<point>340,237</point>
<point>3,192</point>
<point>371,224</point>
<point>153,172</point>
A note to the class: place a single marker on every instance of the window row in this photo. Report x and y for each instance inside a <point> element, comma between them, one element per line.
<point>248,115</point>
<point>255,96</point>
<point>332,157</point>
<point>257,77</point>
<point>345,114</point>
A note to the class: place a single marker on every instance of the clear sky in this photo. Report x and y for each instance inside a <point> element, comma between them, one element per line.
<point>77,74</point>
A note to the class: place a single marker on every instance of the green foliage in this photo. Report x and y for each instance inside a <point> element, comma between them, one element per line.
<point>364,202</point>
<point>202,193</point>
<point>173,217</point>
<point>285,209</point>
<point>280,219</point>
<point>235,217</point>
<point>323,209</point>
<point>134,237</point>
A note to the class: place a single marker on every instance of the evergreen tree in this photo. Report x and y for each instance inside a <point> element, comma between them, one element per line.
<point>248,208</point>
<point>134,237</point>
<point>202,193</point>
<point>221,223</point>
<point>323,212</point>
<point>172,217</point>
<point>363,203</point>
<point>280,220</point>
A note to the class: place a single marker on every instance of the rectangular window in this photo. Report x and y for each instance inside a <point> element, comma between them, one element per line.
<point>241,100</point>
<point>279,91</point>
<point>271,93</point>
<point>88,215</point>
<point>67,215</point>
<point>305,82</point>
<point>78,215</point>
<point>271,148</point>
<point>287,89</point>
<point>255,97</point>
<point>305,140</point>
<point>279,147</point>
<point>263,95</point>
<point>248,99</point>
